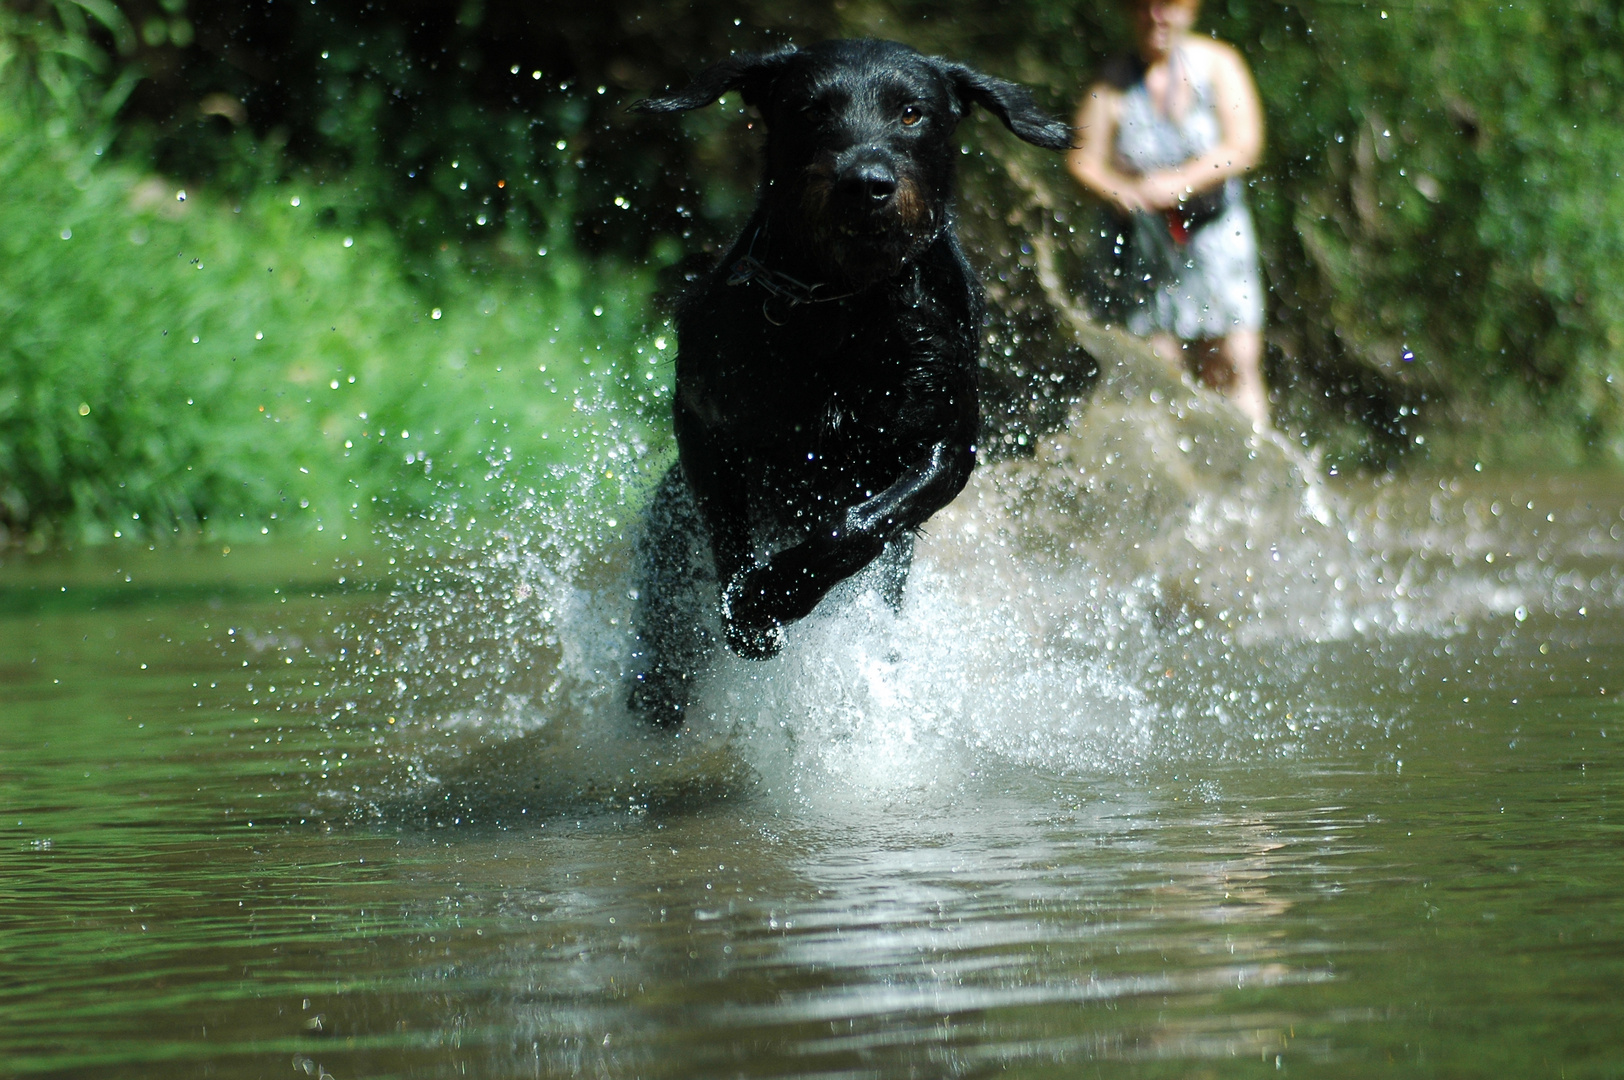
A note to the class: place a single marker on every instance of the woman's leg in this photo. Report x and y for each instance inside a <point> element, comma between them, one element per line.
<point>1233,365</point>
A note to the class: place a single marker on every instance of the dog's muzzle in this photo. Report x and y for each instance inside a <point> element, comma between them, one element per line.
<point>869,185</point>
<point>869,216</point>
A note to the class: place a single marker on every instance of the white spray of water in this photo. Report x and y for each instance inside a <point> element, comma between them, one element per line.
<point>1132,594</point>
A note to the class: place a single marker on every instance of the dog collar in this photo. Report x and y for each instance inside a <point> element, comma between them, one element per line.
<point>791,292</point>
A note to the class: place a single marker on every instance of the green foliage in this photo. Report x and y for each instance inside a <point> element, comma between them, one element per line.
<point>385,97</point>
<point>1445,178</point>
<point>51,57</point>
<point>181,365</point>
<point>1440,207</point>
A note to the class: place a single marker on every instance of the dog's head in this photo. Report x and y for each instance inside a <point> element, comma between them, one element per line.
<point>859,143</point>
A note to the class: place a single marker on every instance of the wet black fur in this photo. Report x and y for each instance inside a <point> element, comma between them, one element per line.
<point>815,437</point>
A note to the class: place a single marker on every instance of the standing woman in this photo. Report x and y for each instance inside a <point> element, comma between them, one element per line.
<point>1166,137</point>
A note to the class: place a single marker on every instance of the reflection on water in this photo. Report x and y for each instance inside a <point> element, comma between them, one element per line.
<point>1162,776</point>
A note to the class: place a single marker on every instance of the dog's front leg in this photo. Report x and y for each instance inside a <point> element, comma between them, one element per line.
<point>727,521</point>
<point>789,586</point>
<point>719,490</point>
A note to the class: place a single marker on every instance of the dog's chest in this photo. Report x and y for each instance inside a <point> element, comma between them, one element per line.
<point>821,380</point>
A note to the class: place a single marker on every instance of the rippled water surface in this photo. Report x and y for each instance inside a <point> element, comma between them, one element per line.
<point>1339,803</point>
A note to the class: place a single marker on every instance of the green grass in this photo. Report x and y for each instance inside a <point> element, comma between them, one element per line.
<point>203,366</point>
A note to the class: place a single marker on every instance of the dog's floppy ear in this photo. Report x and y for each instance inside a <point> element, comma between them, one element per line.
<point>1010,102</point>
<point>749,73</point>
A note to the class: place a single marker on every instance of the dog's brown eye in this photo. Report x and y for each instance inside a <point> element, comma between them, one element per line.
<point>911,115</point>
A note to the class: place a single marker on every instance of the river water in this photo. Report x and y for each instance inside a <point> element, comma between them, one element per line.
<point>1155,774</point>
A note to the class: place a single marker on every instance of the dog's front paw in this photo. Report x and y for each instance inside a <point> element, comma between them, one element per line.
<point>755,642</point>
<point>750,631</point>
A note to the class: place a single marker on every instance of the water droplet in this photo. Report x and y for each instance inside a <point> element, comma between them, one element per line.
<point>349,241</point>
<point>67,234</point>
<point>435,314</point>
<point>295,200</point>
<point>84,409</point>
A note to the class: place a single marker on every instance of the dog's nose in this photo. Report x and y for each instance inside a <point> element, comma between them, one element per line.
<point>871,180</point>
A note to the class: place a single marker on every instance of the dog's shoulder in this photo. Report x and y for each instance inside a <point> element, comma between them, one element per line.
<point>950,288</point>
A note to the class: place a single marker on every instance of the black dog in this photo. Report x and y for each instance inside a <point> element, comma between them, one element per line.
<point>826,370</point>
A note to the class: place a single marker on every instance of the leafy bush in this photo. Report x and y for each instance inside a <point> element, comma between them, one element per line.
<point>68,59</point>
<point>175,361</point>
<point>1443,209</point>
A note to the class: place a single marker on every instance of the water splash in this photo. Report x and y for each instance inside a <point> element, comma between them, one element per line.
<point>1157,584</point>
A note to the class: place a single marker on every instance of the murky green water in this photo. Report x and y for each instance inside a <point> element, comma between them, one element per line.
<point>1386,852</point>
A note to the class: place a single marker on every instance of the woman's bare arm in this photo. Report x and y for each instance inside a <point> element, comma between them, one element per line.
<point>1240,128</point>
<point>1093,162</point>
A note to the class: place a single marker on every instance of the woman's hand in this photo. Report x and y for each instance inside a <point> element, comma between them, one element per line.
<point>1127,194</point>
<point>1164,189</point>
<point>1092,161</point>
